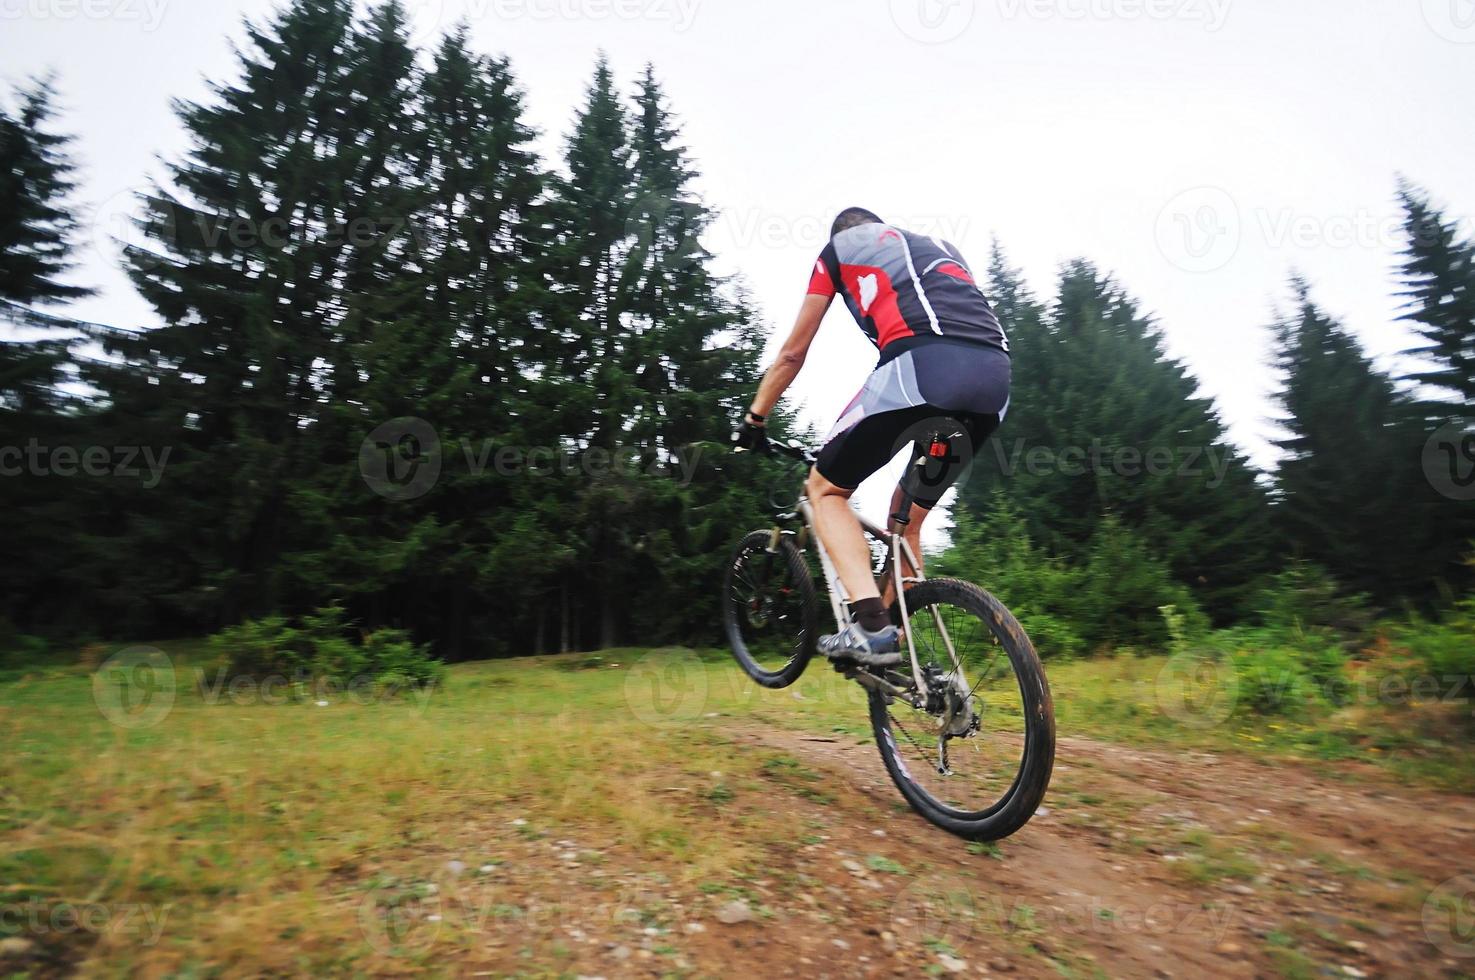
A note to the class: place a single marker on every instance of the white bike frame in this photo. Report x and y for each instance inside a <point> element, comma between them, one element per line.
<point>898,550</point>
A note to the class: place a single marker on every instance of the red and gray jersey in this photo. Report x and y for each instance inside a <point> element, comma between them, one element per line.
<point>900,285</point>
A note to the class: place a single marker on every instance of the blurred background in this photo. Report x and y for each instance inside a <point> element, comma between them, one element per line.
<point>361,340</point>
<point>244,237</point>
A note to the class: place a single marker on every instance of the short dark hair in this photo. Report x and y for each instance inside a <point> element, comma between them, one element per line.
<point>851,217</point>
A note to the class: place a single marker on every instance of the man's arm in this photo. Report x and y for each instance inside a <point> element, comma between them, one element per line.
<point>781,372</point>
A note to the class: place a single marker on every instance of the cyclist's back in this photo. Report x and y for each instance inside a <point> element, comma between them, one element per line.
<point>905,289</point>
<point>943,350</point>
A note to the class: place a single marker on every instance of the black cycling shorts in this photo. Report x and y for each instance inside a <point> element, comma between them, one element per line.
<point>942,397</point>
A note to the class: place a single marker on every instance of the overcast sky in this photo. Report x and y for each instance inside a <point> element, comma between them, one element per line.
<point>1201,150</point>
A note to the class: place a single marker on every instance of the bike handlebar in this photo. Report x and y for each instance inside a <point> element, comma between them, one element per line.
<point>793,450</point>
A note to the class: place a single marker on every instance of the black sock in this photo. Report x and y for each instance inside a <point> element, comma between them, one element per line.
<point>871,615</point>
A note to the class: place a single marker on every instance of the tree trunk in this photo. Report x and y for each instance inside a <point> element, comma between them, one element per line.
<point>606,619</point>
<point>563,633</point>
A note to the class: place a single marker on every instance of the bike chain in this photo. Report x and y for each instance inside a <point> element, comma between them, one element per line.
<point>920,751</point>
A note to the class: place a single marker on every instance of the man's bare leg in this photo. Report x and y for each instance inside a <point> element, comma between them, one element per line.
<point>839,529</point>
<point>913,535</point>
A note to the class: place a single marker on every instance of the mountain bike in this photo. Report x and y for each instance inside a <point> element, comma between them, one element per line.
<point>974,758</point>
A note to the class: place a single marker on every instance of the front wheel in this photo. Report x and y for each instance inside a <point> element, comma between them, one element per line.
<point>769,609</point>
<point>975,756</point>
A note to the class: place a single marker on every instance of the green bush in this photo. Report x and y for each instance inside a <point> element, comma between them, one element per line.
<point>1305,597</point>
<point>1052,636</point>
<point>1112,599</point>
<point>1274,681</point>
<point>21,650</point>
<point>322,646</point>
<point>1282,672</point>
<point>1445,650</point>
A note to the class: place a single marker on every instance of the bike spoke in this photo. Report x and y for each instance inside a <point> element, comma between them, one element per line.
<point>982,765</point>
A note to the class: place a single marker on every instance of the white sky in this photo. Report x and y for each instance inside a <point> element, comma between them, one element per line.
<point>1202,150</point>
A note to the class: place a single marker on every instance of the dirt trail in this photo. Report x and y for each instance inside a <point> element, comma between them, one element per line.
<point>1141,864</point>
<point>1150,863</point>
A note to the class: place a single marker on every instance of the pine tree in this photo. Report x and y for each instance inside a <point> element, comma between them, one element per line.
<point>648,357</point>
<point>37,227</point>
<point>37,231</point>
<point>269,243</point>
<point>1438,276</point>
<point>461,355</point>
<point>41,513</point>
<point>1102,423</point>
<point>1351,495</point>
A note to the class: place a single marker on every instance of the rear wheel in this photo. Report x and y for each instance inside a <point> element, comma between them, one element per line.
<point>769,609</point>
<point>976,758</point>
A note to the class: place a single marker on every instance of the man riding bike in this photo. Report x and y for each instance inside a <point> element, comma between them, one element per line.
<point>944,360</point>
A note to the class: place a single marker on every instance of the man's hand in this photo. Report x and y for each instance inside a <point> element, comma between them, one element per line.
<point>751,436</point>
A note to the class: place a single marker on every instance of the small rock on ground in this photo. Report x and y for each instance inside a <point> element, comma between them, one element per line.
<point>734,912</point>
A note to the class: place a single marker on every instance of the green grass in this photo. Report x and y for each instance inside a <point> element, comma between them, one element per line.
<point>1122,699</point>
<point>239,818</point>
<point>259,831</point>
